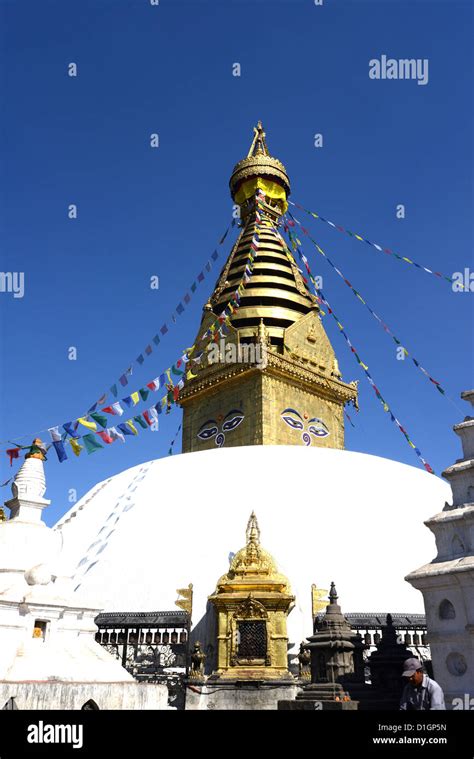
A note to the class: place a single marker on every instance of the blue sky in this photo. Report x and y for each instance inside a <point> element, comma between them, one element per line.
<point>168,69</point>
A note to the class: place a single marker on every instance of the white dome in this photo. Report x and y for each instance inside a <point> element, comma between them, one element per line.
<point>324,515</point>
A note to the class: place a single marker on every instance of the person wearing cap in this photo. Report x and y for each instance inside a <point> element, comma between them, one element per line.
<point>421,693</point>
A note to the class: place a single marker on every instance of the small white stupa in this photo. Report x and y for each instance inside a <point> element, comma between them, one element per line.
<point>447,583</point>
<point>49,658</point>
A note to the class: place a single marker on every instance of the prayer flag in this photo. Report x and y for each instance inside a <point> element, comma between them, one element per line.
<point>132,426</point>
<point>91,443</point>
<point>60,450</point>
<point>55,434</point>
<point>154,384</point>
<point>126,430</point>
<point>144,393</point>
<point>75,446</point>
<point>106,437</point>
<point>13,453</point>
<point>140,421</point>
<point>100,419</point>
<point>116,435</point>
<point>115,409</point>
<point>86,423</point>
<point>70,429</point>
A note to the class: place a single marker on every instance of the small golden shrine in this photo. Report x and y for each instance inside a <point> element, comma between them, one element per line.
<point>252,602</point>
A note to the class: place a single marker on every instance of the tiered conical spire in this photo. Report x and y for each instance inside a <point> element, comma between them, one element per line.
<point>276,291</point>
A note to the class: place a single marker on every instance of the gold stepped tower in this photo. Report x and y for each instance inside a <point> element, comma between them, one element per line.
<point>277,379</point>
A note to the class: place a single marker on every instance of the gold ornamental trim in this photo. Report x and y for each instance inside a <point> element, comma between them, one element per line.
<point>329,388</point>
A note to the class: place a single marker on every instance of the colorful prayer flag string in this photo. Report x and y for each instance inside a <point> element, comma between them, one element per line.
<point>170,452</point>
<point>164,329</point>
<point>379,248</point>
<point>386,407</point>
<point>294,242</point>
<point>110,434</point>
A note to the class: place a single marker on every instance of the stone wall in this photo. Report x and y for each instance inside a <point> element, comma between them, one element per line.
<point>67,696</point>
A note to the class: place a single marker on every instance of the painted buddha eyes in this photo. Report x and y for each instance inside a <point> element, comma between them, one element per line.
<point>236,418</point>
<point>210,429</point>
<point>291,422</point>
<point>315,426</point>
<point>319,429</point>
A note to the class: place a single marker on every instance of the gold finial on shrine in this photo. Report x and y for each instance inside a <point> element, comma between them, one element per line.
<point>252,532</point>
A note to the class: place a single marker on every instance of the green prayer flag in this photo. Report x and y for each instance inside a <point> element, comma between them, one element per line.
<point>99,418</point>
<point>139,420</point>
<point>193,287</point>
<point>144,393</point>
<point>91,443</point>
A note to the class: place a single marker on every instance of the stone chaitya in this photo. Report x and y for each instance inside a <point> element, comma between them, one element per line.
<point>48,656</point>
<point>447,583</point>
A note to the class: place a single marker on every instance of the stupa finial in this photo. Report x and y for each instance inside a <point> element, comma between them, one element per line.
<point>253,530</point>
<point>259,145</point>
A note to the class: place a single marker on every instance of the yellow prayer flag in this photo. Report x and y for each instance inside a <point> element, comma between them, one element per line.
<point>359,237</point>
<point>135,398</point>
<point>87,423</point>
<point>75,446</point>
<point>130,424</point>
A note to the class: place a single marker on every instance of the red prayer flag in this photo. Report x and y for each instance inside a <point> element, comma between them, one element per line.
<point>105,436</point>
<point>13,453</point>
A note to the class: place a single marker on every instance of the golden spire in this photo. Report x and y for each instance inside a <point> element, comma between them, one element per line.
<point>259,145</point>
<point>276,311</point>
<point>252,559</point>
<point>252,532</point>
<point>260,169</point>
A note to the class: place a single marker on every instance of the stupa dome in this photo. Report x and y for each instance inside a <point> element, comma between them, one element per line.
<point>325,514</point>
